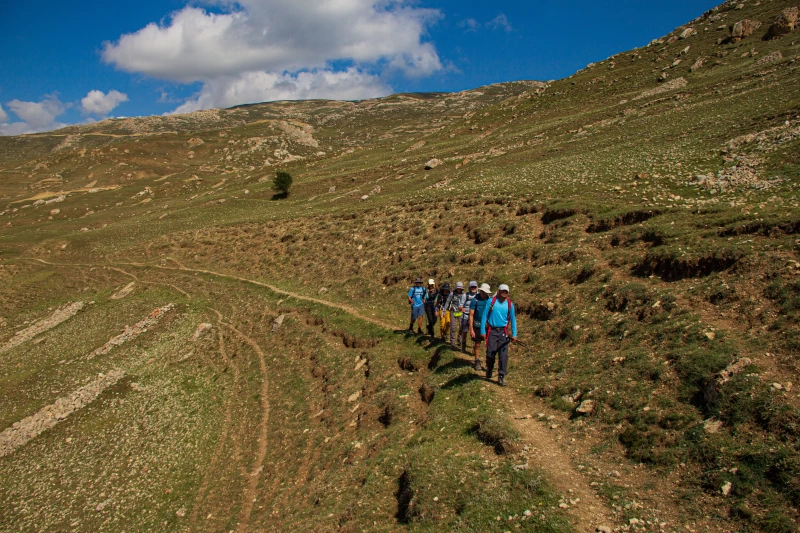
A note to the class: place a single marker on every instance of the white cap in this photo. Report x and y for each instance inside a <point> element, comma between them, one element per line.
<point>502,287</point>
<point>431,282</point>
<point>485,288</point>
<point>473,284</point>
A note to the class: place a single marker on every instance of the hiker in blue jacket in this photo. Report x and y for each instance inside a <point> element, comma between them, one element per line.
<point>416,299</point>
<point>476,309</point>
<point>498,317</point>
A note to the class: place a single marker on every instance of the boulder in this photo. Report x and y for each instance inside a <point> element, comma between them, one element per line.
<point>744,28</point>
<point>685,34</point>
<point>433,163</point>
<point>784,23</point>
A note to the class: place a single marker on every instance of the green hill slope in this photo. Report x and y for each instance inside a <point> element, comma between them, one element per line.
<point>644,212</point>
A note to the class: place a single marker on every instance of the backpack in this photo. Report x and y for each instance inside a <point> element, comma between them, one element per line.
<point>508,319</point>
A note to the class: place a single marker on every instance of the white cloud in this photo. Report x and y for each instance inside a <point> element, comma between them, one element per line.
<point>278,36</point>
<point>251,87</point>
<point>469,25</point>
<point>100,104</point>
<point>500,22</point>
<point>288,50</point>
<point>38,115</point>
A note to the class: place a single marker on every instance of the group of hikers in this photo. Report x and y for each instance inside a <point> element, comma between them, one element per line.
<point>485,317</point>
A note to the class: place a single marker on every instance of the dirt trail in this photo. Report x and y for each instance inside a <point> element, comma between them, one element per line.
<point>226,428</point>
<point>258,465</point>
<point>346,308</point>
<point>588,513</point>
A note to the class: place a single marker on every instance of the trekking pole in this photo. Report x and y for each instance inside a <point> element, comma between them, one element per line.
<point>527,348</point>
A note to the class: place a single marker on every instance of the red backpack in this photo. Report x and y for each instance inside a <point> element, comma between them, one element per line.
<point>508,319</point>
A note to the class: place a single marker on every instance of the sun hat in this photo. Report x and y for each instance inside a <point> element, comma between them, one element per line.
<point>473,284</point>
<point>431,282</point>
<point>459,285</point>
<point>446,286</point>
<point>486,288</point>
<point>502,287</point>
<point>418,280</point>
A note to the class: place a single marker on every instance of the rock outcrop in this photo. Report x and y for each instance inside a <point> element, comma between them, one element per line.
<point>785,23</point>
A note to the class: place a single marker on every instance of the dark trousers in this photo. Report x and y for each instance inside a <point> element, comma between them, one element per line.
<point>430,312</point>
<point>497,347</point>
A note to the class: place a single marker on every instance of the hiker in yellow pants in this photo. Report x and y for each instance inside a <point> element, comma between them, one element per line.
<point>444,314</point>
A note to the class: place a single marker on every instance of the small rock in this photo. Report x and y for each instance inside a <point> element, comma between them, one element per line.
<point>685,34</point>
<point>353,397</point>
<point>726,488</point>
<point>433,163</point>
<point>563,505</point>
<point>527,512</point>
<point>586,407</point>
<point>603,529</point>
<point>55,211</point>
<point>180,513</point>
<point>777,386</point>
<point>710,335</point>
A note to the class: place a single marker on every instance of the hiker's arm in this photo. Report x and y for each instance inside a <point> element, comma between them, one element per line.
<point>484,319</point>
<point>513,322</point>
<point>471,323</point>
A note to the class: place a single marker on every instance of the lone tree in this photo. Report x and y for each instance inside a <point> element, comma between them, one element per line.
<point>281,184</point>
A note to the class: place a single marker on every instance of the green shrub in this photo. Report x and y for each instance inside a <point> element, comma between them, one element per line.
<point>281,183</point>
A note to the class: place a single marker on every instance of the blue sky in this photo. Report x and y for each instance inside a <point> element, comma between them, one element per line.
<point>73,62</point>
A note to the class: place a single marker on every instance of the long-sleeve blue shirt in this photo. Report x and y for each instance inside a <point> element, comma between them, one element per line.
<point>499,317</point>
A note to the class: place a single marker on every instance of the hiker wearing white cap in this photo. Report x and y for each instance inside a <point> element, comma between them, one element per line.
<point>498,317</point>
<point>471,293</point>
<point>455,306</point>
<point>476,308</point>
<point>430,305</point>
<point>416,299</point>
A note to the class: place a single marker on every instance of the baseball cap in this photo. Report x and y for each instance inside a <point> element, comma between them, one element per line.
<point>431,282</point>
<point>486,288</point>
<point>502,287</point>
<point>473,284</point>
<point>459,285</point>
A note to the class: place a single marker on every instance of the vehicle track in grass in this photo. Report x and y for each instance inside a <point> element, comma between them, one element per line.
<point>255,474</point>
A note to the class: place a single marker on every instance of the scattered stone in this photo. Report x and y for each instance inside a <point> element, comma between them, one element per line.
<point>677,83</point>
<point>353,397</point>
<point>712,425</point>
<point>586,407</point>
<point>697,65</point>
<point>743,28</point>
<point>277,323</point>
<point>132,332</point>
<point>433,163</point>
<point>710,335</point>
<point>777,386</point>
<point>726,488</point>
<point>180,513</point>
<point>773,57</point>
<point>200,331</point>
<point>124,291</point>
<point>59,315</point>
<point>55,211</point>
<point>47,417</point>
<point>785,23</point>
<point>195,141</point>
<point>685,34</point>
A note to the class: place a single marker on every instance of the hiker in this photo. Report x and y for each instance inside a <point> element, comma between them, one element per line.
<point>430,305</point>
<point>444,315</point>
<point>476,309</point>
<point>497,317</point>
<point>455,307</point>
<point>416,299</point>
<point>471,293</point>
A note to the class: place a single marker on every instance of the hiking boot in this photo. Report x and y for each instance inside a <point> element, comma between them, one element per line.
<point>501,380</point>
<point>419,331</point>
<point>477,365</point>
<point>488,374</point>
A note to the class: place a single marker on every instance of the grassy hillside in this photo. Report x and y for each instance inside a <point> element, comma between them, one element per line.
<point>644,212</point>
